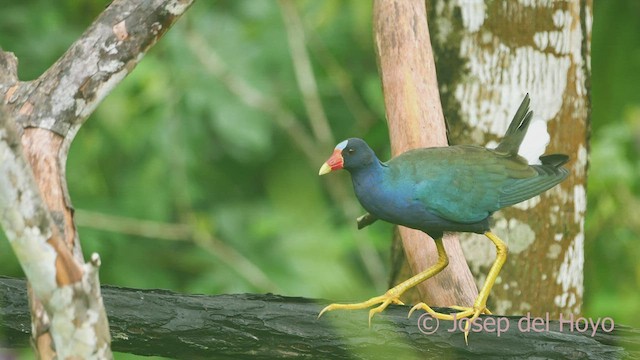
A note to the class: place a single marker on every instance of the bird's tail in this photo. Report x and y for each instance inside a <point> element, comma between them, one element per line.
<point>554,160</point>
<point>512,139</point>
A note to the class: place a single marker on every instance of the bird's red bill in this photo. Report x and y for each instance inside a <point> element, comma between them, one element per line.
<point>335,162</point>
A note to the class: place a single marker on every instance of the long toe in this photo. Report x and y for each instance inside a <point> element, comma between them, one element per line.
<point>466,308</point>
<point>476,313</point>
<point>383,301</point>
<point>464,312</point>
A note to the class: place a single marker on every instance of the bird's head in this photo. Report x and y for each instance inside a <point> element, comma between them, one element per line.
<point>350,154</point>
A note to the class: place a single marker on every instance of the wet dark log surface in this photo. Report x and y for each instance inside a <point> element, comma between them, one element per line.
<point>164,323</point>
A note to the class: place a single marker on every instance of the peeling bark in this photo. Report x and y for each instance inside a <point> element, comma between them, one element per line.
<point>490,54</point>
<point>68,290</point>
<point>38,121</point>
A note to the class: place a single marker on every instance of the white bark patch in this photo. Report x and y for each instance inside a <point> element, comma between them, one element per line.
<point>19,206</point>
<point>519,72</point>
<point>73,78</point>
<point>500,76</point>
<point>563,196</point>
<point>588,21</point>
<point>155,28</point>
<point>47,122</point>
<point>85,334</point>
<point>445,27</point>
<point>84,108</point>
<point>554,251</point>
<point>536,3</point>
<point>553,217</point>
<point>579,203</point>
<point>541,39</point>
<point>528,204</point>
<point>473,14</point>
<point>570,273</point>
<point>580,165</point>
<point>478,248</point>
<point>557,41</point>
<point>502,306</point>
<point>64,95</point>
<point>62,317</point>
<point>110,66</point>
<point>518,237</point>
<point>177,7</point>
<point>77,335</point>
<point>111,48</point>
<point>37,258</point>
<point>562,18</point>
<point>76,312</point>
<point>61,299</point>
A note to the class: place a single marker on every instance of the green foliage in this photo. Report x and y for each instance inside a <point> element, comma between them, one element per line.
<point>615,60</point>
<point>173,143</point>
<point>612,224</point>
<point>612,272</point>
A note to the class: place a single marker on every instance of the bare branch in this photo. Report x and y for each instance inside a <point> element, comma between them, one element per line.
<point>68,92</point>
<point>304,73</point>
<point>131,226</point>
<point>343,81</point>
<point>179,232</point>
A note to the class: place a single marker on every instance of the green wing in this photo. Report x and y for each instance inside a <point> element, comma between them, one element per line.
<point>547,176</point>
<point>467,183</point>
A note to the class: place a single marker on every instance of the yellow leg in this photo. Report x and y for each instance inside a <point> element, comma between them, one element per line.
<point>480,304</point>
<point>392,296</point>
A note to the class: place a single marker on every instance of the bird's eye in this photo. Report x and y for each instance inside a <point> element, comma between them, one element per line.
<point>351,150</point>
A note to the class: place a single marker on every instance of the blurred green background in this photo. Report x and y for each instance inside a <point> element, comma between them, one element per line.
<point>199,172</point>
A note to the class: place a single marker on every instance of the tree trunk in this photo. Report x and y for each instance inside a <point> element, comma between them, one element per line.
<point>38,121</point>
<point>415,119</point>
<point>488,55</point>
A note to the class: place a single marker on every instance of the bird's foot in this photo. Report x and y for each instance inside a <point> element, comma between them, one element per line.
<point>390,297</point>
<point>463,312</point>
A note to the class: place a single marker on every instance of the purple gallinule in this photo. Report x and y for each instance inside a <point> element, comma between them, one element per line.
<point>445,189</point>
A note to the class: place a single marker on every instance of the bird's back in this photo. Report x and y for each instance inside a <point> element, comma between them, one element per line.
<point>467,183</point>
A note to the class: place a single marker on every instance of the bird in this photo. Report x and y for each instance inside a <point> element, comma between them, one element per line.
<point>445,189</point>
